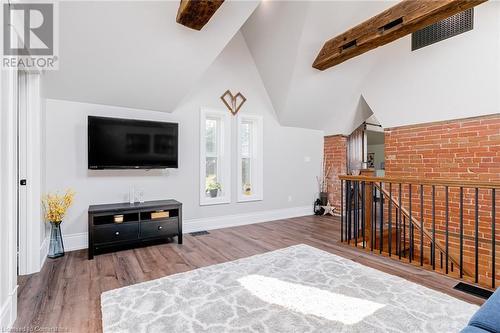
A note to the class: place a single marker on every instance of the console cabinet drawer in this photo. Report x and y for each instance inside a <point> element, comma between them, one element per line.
<point>159,228</point>
<point>116,233</point>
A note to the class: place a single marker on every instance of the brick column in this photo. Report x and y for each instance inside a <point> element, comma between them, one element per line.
<point>335,154</point>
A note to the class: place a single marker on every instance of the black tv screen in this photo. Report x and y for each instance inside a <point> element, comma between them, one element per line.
<point>115,143</point>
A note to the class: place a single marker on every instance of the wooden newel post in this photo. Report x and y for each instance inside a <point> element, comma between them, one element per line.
<point>368,205</point>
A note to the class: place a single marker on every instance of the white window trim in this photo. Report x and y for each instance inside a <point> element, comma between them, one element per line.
<point>257,169</point>
<point>225,150</point>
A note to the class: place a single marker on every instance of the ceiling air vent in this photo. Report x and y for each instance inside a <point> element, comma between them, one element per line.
<point>452,26</point>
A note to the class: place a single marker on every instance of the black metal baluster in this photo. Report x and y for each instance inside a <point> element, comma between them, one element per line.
<point>381,219</point>
<point>375,217</point>
<point>356,226</point>
<point>389,237</point>
<point>345,211</point>
<point>421,225</point>
<point>396,216</point>
<point>342,210</point>
<point>399,218</point>
<point>363,213</point>
<point>349,211</point>
<point>447,222</point>
<point>476,235</point>
<point>358,216</point>
<point>461,231</point>
<point>353,212</point>
<point>493,239</point>
<point>404,235</point>
<point>410,226</point>
<point>433,246</point>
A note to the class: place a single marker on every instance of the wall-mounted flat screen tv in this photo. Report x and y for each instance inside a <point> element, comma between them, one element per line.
<point>115,143</point>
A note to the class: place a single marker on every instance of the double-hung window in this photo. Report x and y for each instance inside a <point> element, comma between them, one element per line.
<point>215,157</point>
<point>250,158</point>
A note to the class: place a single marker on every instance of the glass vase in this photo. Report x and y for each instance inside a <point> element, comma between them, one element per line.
<point>56,247</point>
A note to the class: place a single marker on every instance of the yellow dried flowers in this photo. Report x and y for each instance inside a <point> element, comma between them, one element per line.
<point>56,205</point>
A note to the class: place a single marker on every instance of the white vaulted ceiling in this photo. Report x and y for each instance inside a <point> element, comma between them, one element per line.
<point>302,95</point>
<point>134,54</point>
<point>456,78</point>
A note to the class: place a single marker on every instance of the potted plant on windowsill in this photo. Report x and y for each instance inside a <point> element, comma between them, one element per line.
<point>213,189</point>
<point>56,206</point>
<point>247,189</point>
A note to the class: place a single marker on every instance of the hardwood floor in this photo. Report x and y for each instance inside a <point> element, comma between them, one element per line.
<point>66,293</point>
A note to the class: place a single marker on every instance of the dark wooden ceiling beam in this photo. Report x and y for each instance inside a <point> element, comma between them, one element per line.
<point>398,21</point>
<point>196,13</point>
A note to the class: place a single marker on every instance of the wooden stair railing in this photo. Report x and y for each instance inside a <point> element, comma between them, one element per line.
<point>452,255</point>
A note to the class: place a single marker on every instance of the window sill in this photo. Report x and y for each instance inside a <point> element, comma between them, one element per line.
<point>249,198</point>
<point>214,201</point>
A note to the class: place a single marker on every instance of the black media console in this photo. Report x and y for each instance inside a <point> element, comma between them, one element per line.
<point>122,225</point>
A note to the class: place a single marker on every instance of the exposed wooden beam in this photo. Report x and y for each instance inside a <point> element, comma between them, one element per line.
<point>400,20</point>
<point>196,13</point>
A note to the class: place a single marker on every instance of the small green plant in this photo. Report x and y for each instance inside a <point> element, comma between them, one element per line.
<point>214,186</point>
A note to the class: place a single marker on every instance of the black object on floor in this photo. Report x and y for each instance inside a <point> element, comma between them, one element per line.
<point>199,233</point>
<point>473,290</point>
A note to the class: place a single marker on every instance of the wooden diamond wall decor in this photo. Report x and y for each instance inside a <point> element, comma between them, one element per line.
<point>233,103</point>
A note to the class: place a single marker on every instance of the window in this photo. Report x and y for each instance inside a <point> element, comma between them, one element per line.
<point>250,156</point>
<point>215,159</point>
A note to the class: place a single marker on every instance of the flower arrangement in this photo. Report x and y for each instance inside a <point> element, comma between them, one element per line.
<point>56,205</point>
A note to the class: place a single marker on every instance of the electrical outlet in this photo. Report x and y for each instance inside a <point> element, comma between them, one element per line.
<point>289,198</point>
<point>307,159</point>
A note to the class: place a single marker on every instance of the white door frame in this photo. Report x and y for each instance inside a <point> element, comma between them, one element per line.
<point>22,191</point>
<point>8,196</point>
<point>31,232</point>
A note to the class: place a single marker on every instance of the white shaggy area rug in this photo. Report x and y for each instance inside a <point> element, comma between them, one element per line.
<point>296,289</point>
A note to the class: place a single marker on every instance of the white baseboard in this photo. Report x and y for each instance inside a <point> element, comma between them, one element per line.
<point>44,250</point>
<point>219,222</point>
<point>8,312</point>
<point>79,241</point>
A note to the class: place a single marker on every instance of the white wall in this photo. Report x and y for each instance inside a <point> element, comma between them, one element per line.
<point>286,151</point>
<point>455,78</point>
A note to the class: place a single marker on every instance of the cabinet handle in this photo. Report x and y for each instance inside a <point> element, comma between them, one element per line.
<point>160,227</point>
<point>117,233</point>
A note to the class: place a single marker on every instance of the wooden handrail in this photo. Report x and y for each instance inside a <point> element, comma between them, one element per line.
<point>416,181</point>
<point>416,223</point>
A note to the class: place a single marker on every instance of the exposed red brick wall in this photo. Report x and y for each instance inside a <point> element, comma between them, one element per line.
<point>466,149</point>
<point>457,149</point>
<point>335,154</point>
